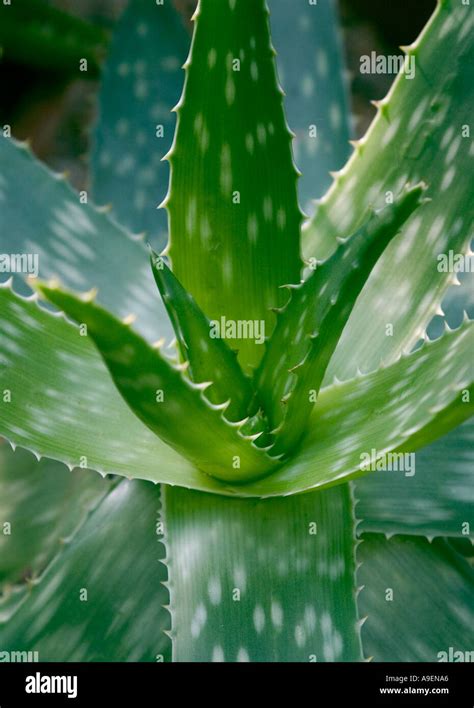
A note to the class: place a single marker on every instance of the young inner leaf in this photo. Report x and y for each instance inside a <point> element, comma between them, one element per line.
<point>311,324</point>
<point>210,359</point>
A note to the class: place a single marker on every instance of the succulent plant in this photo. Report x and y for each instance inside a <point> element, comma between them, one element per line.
<point>229,520</point>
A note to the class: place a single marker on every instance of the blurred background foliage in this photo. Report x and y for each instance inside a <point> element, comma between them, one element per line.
<point>48,100</point>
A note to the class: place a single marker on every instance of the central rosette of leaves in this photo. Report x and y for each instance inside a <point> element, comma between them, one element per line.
<point>253,340</point>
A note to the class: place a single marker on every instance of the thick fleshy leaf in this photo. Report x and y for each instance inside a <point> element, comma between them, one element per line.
<point>436,501</point>
<point>309,60</point>
<point>399,408</point>
<point>86,416</point>
<point>261,580</point>
<point>141,82</point>
<point>42,503</point>
<point>162,397</point>
<point>73,241</point>
<point>421,131</point>
<point>309,327</point>
<point>417,598</point>
<point>209,357</point>
<point>101,598</point>
<point>77,415</point>
<point>232,204</point>
<point>38,34</point>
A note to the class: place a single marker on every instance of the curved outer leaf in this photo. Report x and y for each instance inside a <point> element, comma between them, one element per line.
<point>261,580</point>
<point>141,82</point>
<point>418,133</point>
<point>431,609</point>
<point>43,503</point>
<point>310,68</point>
<point>233,208</point>
<point>309,327</point>
<point>75,241</point>
<point>210,359</point>
<point>87,417</point>
<point>398,408</point>
<point>96,602</point>
<point>436,501</point>
<point>159,394</point>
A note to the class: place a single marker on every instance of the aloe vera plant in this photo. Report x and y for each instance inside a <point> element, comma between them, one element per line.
<point>249,368</point>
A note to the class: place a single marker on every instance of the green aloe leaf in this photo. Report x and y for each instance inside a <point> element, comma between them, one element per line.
<point>74,241</point>
<point>309,327</point>
<point>33,32</point>
<point>159,394</point>
<point>86,416</point>
<point>69,375</point>
<point>94,602</point>
<point>436,501</point>
<point>421,131</point>
<point>310,69</point>
<point>141,82</point>
<point>210,359</point>
<point>261,580</point>
<point>232,204</point>
<point>41,504</point>
<point>431,588</point>
<point>397,408</point>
